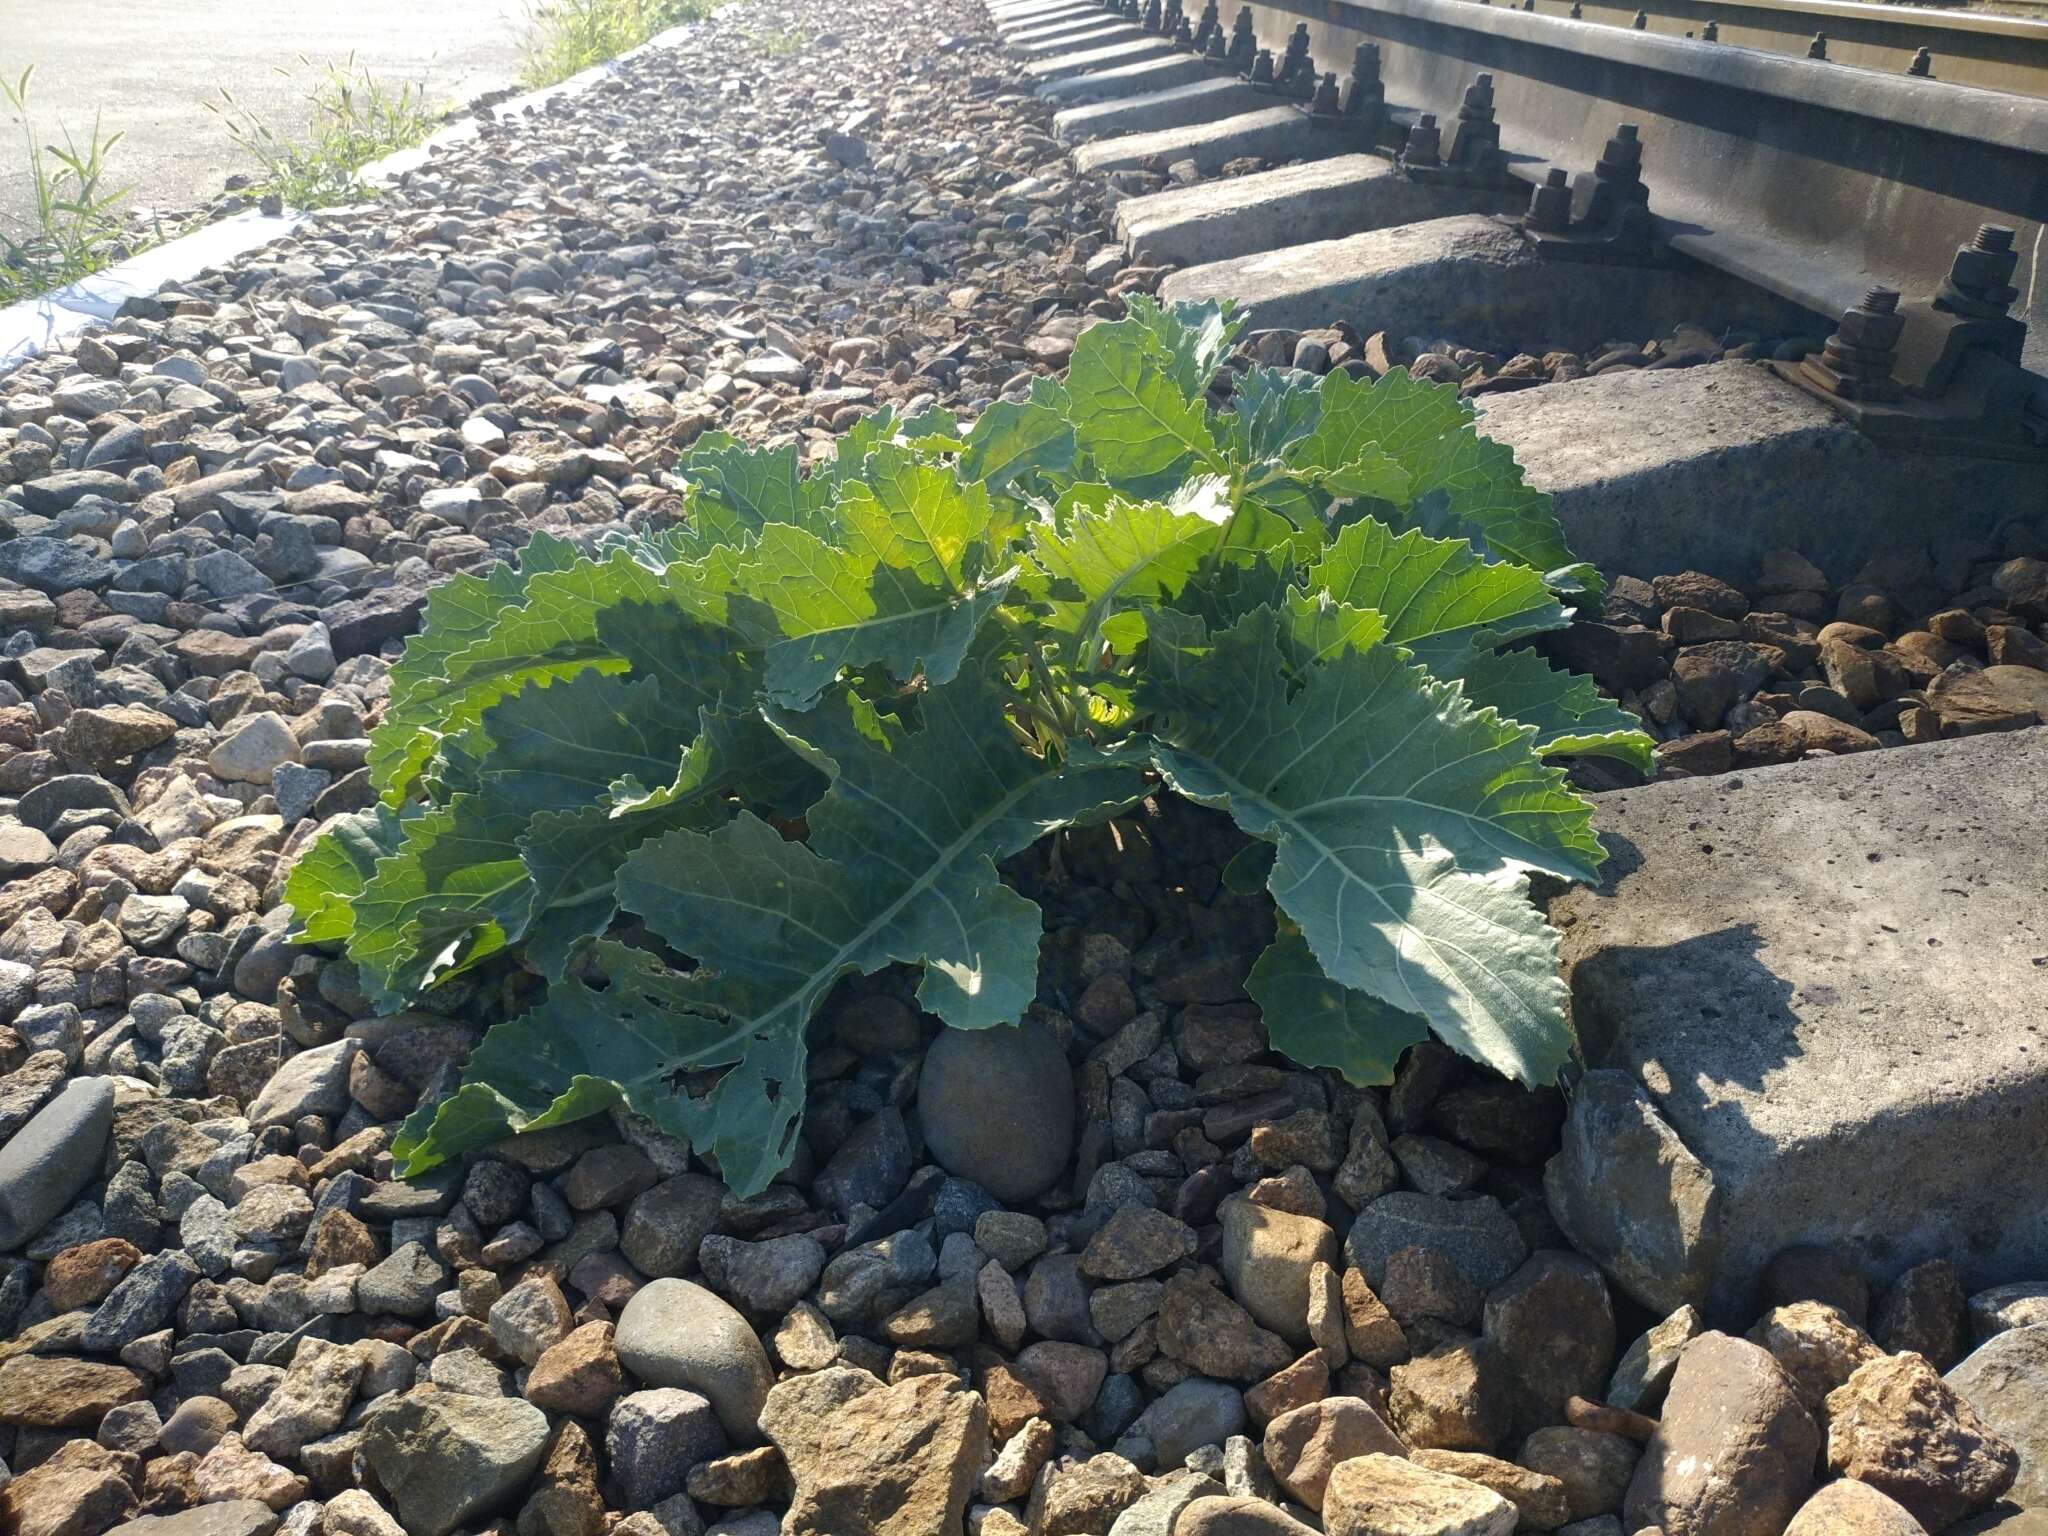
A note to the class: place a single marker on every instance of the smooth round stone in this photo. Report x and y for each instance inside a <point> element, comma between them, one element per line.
<point>674,1333</point>
<point>997,1106</point>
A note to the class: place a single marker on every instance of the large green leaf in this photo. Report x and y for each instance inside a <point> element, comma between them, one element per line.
<point>1271,408</point>
<point>587,1048</point>
<point>1318,1023</point>
<point>1115,555</point>
<point>554,634</point>
<point>1439,599</point>
<point>900,868</point>
<point>1193,338</point>
<point>428,910</point>
<point>1139,412</point>
<point>1460,485</point>
<point>1013,438</point>
<point>1571,716</point>
<point>1405,821</point>
<point>330,875</point>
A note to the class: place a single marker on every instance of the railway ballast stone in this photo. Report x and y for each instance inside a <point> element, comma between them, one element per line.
<point>1828,977</point>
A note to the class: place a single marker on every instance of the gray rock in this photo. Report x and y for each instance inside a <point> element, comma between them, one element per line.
<point>447,1459</point>
<point>1190,1415</point>
<point>252,752</point>
<point>314,1082</point>
<point>50,1159</point>
<point>403,1285</point>
<point>1477,1236</point>
<point>653,1438</point>
<point>143,1302</point>
<point>2006,1381</point>
<point>676,1334</point>
<point>665,1226</point>
<point>997,1107</point>
<point>53,566</point>
<point>764,1277</point>
<point>870,1168</point>
<point>1631,1197</point>
<point>1160,1505</point>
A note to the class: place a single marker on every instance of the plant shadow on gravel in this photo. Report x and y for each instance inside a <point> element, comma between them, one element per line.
<point>794,738</point>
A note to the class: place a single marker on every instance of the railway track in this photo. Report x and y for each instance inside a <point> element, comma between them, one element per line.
<point>1456,168</point>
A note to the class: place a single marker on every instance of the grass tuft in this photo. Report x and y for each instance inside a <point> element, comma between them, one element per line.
<point>77,226</point>
<point>357,118</point>
<point>566,37</point>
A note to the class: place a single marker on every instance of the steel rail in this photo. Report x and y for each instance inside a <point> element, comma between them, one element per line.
<point>2000,53</point>
<point>1816,182</point>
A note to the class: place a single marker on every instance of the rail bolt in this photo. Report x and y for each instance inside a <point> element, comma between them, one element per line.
<point>1923,64</point>
<point>1550,205</point>
<point>1642,21</point>
<point>1262,67</point>
<point>1711,32</point>
<point>1325,103</point>
<point>1818,48</point>
<point>1425,142</point>
<point>1982,271</point>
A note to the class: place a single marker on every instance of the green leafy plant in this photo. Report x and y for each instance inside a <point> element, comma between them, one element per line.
<point>791,739</point>
<point>356,118</point>
<point>75,224</point>
<point>565,37</point>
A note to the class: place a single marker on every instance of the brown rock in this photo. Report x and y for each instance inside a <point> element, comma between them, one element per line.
<point>896,1459</point>
<point>1266,1257</point>
<point>1850,1508</point>
<point>1370,1331</point>
<point>1206,1330</point>
<point>341,1238</point>
<point>2002,698</point>
<point>1816,1346</point>
<point>1305,1445</point>
<point>1305,1381</point>
<point>1896,1425</point>
<point>82,1276</point>
<point>1422,1286</point>
<point>1455,1398</point>
<point>1237,1517</point>
<point>1734,1453</point>
<point>1388,1496</point>
<point>745,1477</point>
<point>232,1471</point>
<point>564,1500</point>
<point>81,1489</point>
<point>1083,1499</point>
<point>1553,1323</point>
<point>579,1374</point>
<point>1539,1500</point>
<point>1593,1467</point>
<point>58,1392</point>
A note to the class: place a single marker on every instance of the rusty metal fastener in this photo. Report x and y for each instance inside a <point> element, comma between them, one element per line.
<point>1923,64</point>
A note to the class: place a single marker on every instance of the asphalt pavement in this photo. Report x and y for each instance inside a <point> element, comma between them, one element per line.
<point>146,66</point>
